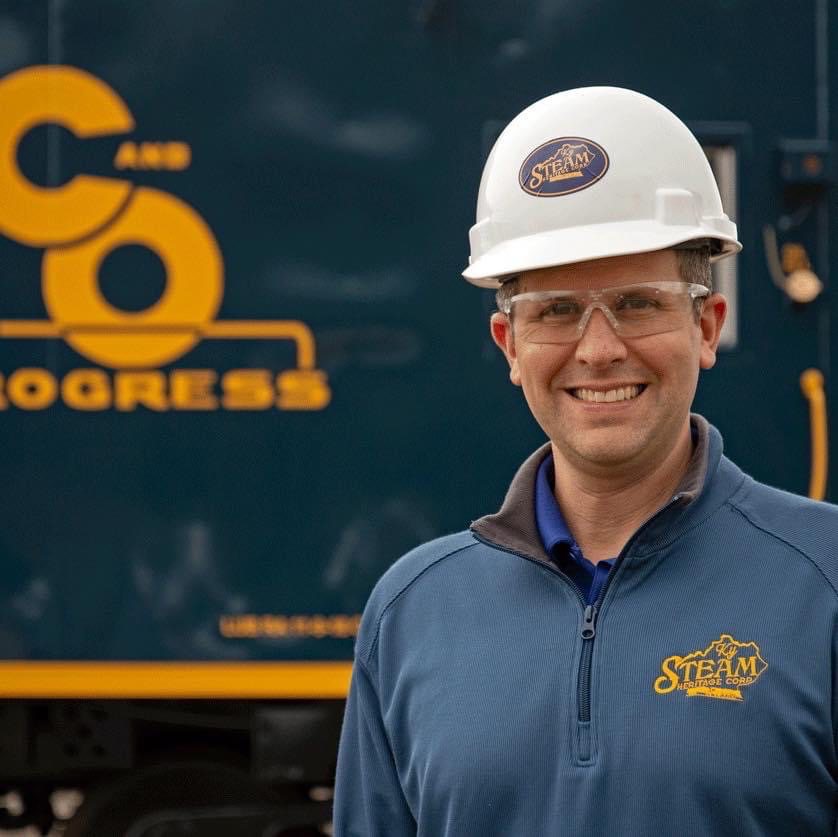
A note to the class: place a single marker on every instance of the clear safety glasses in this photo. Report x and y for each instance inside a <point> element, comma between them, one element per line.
<point>634,310</point>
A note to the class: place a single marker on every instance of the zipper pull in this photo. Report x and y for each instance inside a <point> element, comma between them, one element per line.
<point>589,624</point>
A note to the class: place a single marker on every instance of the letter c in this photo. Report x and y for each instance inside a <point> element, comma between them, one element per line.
<point>38,216</point>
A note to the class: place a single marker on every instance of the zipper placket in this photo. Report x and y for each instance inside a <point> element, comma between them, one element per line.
<point>588,629</point>
<point>588,634</point>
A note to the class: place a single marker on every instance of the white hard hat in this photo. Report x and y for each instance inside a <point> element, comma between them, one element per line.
<point>591,173</point>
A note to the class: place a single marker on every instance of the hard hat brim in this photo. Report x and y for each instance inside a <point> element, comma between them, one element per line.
<point>581,244</point>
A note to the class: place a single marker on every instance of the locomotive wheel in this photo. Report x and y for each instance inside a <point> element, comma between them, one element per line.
<point>112,809</point>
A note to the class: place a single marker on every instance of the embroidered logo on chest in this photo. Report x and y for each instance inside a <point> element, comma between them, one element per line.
<point>720,671</point>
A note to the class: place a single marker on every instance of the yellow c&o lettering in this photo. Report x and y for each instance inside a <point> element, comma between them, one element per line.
<point>91,389</point>
<point>80,224</point>
<point>32,389</point>
<point>140,388</point>
<point>302,389</point>
<point>172,326</point>
<point>247,389</point>
<point>86,389</point>
<point>191,389</point>
<point>85,105</point>
<point>174,156</point>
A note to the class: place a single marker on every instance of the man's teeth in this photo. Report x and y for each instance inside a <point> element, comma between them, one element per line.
<point>620,394</point>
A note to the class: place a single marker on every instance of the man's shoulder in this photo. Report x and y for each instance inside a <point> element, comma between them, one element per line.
<point>807,526</point>
<point>403,574</point>
<point>415,563</point>
<point>789,515</point>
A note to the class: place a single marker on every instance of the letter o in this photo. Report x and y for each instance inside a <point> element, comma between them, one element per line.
<point>170,327</point>
<point>86,389</point>
<point>31,388</point>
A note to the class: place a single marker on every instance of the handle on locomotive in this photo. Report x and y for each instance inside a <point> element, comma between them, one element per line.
<point>811,383</point>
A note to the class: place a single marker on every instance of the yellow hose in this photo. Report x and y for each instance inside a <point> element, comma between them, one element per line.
<point>811,383</point>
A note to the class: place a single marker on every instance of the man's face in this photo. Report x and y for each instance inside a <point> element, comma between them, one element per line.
<point>597,436</point>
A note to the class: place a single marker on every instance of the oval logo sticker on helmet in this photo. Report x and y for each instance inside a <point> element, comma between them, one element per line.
<point>562,166</point>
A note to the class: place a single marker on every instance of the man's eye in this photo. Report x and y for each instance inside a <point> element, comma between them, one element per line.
<point>564,308</point>
<point>637,303</point>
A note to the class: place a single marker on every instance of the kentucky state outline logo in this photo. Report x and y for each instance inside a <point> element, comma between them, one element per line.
<point>720,671</point>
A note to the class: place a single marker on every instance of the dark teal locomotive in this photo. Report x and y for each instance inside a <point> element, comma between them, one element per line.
<point>240,373</point>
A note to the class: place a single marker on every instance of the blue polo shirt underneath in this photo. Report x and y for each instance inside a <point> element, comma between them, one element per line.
<point>559,543</point>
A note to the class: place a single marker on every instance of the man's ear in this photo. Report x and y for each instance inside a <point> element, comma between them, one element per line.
<point>501,329</point>
<point>712,319</point>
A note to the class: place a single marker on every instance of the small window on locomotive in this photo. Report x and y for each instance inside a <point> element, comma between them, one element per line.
<point>723,163</point>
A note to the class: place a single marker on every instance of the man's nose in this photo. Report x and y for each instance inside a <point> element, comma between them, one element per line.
<point>599,344</point>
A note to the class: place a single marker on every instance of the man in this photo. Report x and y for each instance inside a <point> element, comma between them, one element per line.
<point>642,640</point>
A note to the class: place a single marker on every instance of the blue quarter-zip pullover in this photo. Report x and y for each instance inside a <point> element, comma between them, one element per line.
<point>696,697</point>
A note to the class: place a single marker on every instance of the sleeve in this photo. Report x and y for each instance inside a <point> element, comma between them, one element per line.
<point>834,662</point>
<point>369,801</point>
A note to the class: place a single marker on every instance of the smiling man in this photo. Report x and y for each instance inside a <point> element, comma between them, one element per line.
<point>611,381</point>
<point>642,640</point>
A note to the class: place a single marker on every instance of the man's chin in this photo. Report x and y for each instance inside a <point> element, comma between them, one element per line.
<point>603,448</point>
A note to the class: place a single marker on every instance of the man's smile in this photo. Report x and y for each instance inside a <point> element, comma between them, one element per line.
<point>607,394</point>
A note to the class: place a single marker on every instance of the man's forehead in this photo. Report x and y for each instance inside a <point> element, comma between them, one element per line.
<point>655,265</point>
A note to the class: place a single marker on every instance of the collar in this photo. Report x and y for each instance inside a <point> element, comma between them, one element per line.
<point>514,526</point>
<point>552,529</point>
